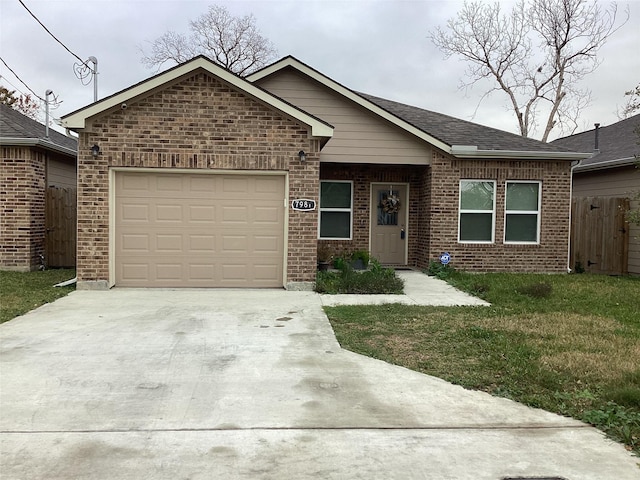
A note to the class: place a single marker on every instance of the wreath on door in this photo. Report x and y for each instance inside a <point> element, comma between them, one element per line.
<point>390,204</point>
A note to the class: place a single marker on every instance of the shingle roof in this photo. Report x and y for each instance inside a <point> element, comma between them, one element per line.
<point>617,141</point>
<point>15,125</point>
<point>454,131</point>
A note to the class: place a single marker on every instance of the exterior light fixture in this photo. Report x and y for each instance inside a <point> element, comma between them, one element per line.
<point>302,156</point>
<point>95,150</point>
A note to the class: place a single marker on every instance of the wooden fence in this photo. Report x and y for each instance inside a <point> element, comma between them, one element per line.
<point>599,235</point>
<point>60,222</point>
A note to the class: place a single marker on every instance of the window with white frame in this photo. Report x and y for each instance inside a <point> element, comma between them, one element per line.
<point>522,212</point>
<point>476,222</point>
<point>336,209</point>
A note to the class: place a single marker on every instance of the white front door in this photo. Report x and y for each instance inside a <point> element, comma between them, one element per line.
<point>389,223</point>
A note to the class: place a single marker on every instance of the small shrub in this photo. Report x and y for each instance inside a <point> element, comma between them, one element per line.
<point>536,290</point>
<point>438,270</point>
<point>378,280</point>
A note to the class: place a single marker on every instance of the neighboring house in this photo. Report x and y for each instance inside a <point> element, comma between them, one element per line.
<point>192,177</point>
<point>611,171</point>
<point>31,163</point>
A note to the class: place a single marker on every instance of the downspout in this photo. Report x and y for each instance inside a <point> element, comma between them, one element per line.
<point>573,167</point>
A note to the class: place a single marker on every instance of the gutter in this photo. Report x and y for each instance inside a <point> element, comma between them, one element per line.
<point>618,162</point>
<point>472,152</point>
<point>38,142</point>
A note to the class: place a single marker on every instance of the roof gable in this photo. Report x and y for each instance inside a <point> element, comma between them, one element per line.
<point>77,120</point>
<point>18,129</point>
<point>460,138</point>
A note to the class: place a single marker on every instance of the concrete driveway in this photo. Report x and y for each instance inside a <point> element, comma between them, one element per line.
<point>202,384</point>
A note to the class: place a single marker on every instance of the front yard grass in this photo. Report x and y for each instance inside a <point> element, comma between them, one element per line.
<point>569,344</point>
<point>22,292</point>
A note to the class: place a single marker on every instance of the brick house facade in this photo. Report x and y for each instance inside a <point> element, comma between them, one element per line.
<point>200,119</point>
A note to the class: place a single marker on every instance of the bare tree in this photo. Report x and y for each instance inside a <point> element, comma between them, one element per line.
<point>233,42</point>
<point>25,104</point>
<point>632,104</point>
<point>536,54</point>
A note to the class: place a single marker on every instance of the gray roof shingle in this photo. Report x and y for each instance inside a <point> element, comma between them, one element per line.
<point>454,131</point>
<point>14,124</point>
<point>618,141</point>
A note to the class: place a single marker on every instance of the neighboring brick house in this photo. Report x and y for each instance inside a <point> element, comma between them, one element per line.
<point>611,171</point>
<point>191,178</point>
<point>31,163</point>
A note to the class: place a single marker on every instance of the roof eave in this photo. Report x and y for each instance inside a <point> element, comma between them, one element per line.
<point>472,152</point>
<point>38,142</point>
<point>77,120</point>
<point>617,163</point>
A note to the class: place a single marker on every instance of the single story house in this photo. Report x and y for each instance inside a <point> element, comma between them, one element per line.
<point>34,159</point>
<point>197,177</point>
<point>610,172</point>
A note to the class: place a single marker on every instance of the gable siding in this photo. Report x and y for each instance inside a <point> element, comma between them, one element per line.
<point>359,136</point>
<point>616,182</point>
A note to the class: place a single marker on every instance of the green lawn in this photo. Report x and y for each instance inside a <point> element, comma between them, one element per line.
<point>21,292</point>
<point>569,344</point>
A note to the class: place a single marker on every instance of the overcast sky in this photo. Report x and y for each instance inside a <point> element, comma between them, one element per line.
<point>377,47</point>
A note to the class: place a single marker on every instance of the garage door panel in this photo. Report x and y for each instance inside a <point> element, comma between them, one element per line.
<point>202,213</point>
<point>169,183</point>
<point>169,213</point>
<point>169,271</point>
<point>168,243</point>
<point>135,272</point>
<point>134,212</point>
<point>202,272</point>
<point>202,244</point>
<point>235,185</point>
<point>135,242</point>
<point>214,231</point>
<point>232,214</point>
<point>267,244</point>
<point>267,185</point>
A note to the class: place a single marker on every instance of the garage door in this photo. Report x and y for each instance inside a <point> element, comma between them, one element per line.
<point>199,230</point>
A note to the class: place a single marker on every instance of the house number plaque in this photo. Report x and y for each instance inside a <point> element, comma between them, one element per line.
<point>303,205</point>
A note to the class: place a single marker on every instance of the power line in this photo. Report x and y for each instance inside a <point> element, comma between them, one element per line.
<point>49,32</point>
<point>54,104</point>
<point>21,81</point>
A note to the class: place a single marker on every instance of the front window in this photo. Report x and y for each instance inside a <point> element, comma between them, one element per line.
<point>336,209</point>
<point>522,213</point>
<point>476,222</point>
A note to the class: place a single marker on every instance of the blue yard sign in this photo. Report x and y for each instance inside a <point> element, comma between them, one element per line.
<point>445,258</point>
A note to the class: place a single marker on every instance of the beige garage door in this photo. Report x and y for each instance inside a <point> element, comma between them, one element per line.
<point>199,230</point>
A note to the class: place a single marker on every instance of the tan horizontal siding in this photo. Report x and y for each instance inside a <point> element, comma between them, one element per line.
<point>61,174</point>
<point>618,182</point>
<point>359,135</point>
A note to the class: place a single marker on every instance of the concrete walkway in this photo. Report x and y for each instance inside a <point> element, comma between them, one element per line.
<point>419,289</point>
<point>202,384</point>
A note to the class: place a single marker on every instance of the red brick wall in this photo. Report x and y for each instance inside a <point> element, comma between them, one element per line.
<point>197,123</point>
<point>548,256</point>
<point>362,177</point>
<point>433,204</point>
<point>22,208</point>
